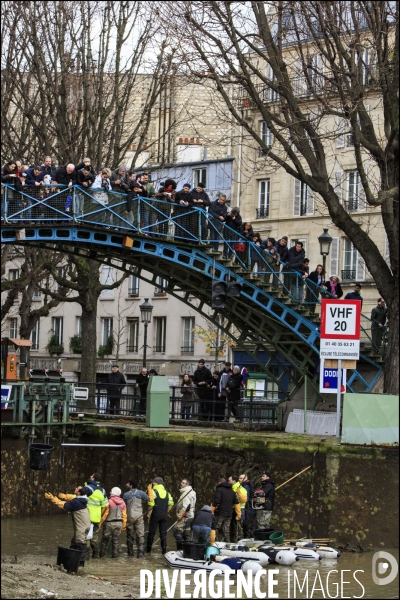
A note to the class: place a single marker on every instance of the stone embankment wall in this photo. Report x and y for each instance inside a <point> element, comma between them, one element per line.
<point>350,494</point>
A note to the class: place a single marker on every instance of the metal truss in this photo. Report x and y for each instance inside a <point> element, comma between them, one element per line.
<point>264,321</point>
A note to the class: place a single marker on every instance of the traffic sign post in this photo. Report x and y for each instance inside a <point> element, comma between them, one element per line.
<point>340,337</point>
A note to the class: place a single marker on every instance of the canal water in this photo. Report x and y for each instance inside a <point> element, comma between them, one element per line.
<point>36,539</point>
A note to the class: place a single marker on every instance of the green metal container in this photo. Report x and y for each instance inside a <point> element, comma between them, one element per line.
<point>157,407</point>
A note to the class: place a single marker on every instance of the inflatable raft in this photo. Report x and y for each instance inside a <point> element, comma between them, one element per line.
<point>175,560</point>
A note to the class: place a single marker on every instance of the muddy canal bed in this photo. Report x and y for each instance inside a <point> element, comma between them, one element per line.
<point>29,554</point>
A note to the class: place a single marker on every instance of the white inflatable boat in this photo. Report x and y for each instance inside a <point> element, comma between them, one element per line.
<point>324,551</point>
<point>175,560</point>
<point>280,557</point>
<point>259,557</point>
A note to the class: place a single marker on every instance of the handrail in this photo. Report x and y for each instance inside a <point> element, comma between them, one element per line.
<point>59,204</point>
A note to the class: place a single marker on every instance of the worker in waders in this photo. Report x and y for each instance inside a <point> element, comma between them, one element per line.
<point>97,504</point>
<point>114,519</point>
<point>160,504</point>
<point>80,516</point>
<point>134,508</point>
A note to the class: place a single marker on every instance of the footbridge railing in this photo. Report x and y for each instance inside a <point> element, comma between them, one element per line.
<point>276,301</point>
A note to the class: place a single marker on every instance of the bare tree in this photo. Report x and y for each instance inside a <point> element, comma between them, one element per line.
<point>82,277</point>
<point>33,270</point>
<point>303,66</point>
<point>80,79</point>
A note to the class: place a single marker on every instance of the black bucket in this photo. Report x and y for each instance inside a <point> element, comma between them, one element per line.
<point>39,456</point>
<point>193,550</point>
<point>262,534</point>
<point>69,558</point>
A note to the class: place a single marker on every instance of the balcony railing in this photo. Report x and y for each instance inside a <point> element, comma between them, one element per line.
<point>262,213</point>
<point>133,348</point>
<point>187,349</point>
<point>159,348</point>
<point>349,275</point>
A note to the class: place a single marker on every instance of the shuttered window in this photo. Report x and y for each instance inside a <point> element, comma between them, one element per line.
<point>334,257</point>
<point>107,278</point>
<point>354,265</point>
<point>338,185</point>
<point>303,200</point>
<point>355,201</point>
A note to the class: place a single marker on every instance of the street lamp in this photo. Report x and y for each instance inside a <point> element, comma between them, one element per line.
<point>145,314</point>
<point>325,242</point>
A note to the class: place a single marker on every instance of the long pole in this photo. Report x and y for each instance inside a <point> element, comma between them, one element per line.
<point>294,476</point>
<point>305,404</point>
<point>145,345</point>
<point>339,396</point>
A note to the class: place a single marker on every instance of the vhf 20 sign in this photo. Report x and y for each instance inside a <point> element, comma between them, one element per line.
<point>340,329</point>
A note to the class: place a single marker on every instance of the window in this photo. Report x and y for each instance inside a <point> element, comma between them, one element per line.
<point>316,73</point>
<point>106,329</point>
<point>294,241</point>
<point>334,257</point>
<point>79,326</point>
<point>338,185</point>
<point>133,335</point>
<point>263,199</point>
<point>199,176</point>
<point>355,193</point>
<point>35,336</point>
<point>36,295</point>
<point>159,333</point>
<point>160,289</point>
<point>13,274</point>
<point>61,273</point>
<point>266,136</point>
<point>188,335</point>
<point>270,94</point>
<point>354,266</point>
<point>133,289</point>
<point>13,328</point>
<point>57,327</point>
<point>303,201</point>
<point>107,278</point>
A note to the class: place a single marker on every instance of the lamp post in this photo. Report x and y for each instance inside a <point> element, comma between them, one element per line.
<point>145,314</point>
<point>325,241</point>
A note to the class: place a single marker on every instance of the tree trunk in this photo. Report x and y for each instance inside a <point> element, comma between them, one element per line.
<point>89,354</point>
<point>391,381</point>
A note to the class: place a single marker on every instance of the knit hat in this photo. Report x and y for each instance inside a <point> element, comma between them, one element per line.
<point>158,480</point>
<point>206,507</point>
<point>187,185</point>
<point>116,491</point>
<point>267,473</point>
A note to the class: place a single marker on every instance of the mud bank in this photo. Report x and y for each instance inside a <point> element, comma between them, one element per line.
<point>350,494</point>
<point>26,580</point>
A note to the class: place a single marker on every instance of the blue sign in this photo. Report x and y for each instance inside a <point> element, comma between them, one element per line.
<point>328,380</point>
<point>5,395</point>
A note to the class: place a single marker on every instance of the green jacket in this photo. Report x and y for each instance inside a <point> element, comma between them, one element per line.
<point>96,502</point>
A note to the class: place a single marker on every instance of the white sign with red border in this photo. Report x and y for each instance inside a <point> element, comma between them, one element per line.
<point>340,329</point>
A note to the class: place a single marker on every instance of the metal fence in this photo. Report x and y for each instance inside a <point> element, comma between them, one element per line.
<point>250,409</point>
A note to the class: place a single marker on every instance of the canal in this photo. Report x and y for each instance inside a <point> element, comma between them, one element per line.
<point>35,540</point>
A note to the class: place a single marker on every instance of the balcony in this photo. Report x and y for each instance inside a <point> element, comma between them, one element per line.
<point>133,348</point>
<point>159,348</point>
<point>262,213</point>
<point>349,275</point>
<point>187,349</point>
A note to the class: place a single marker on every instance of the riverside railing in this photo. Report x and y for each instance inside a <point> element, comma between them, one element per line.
<point>58,205</point>
<point>204,405</point>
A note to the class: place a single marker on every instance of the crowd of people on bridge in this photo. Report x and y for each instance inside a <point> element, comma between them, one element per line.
<point>236,508</point>
<point>271,260</point>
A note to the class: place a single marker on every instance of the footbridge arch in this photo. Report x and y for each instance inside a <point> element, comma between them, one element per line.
<point>190,249</point>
